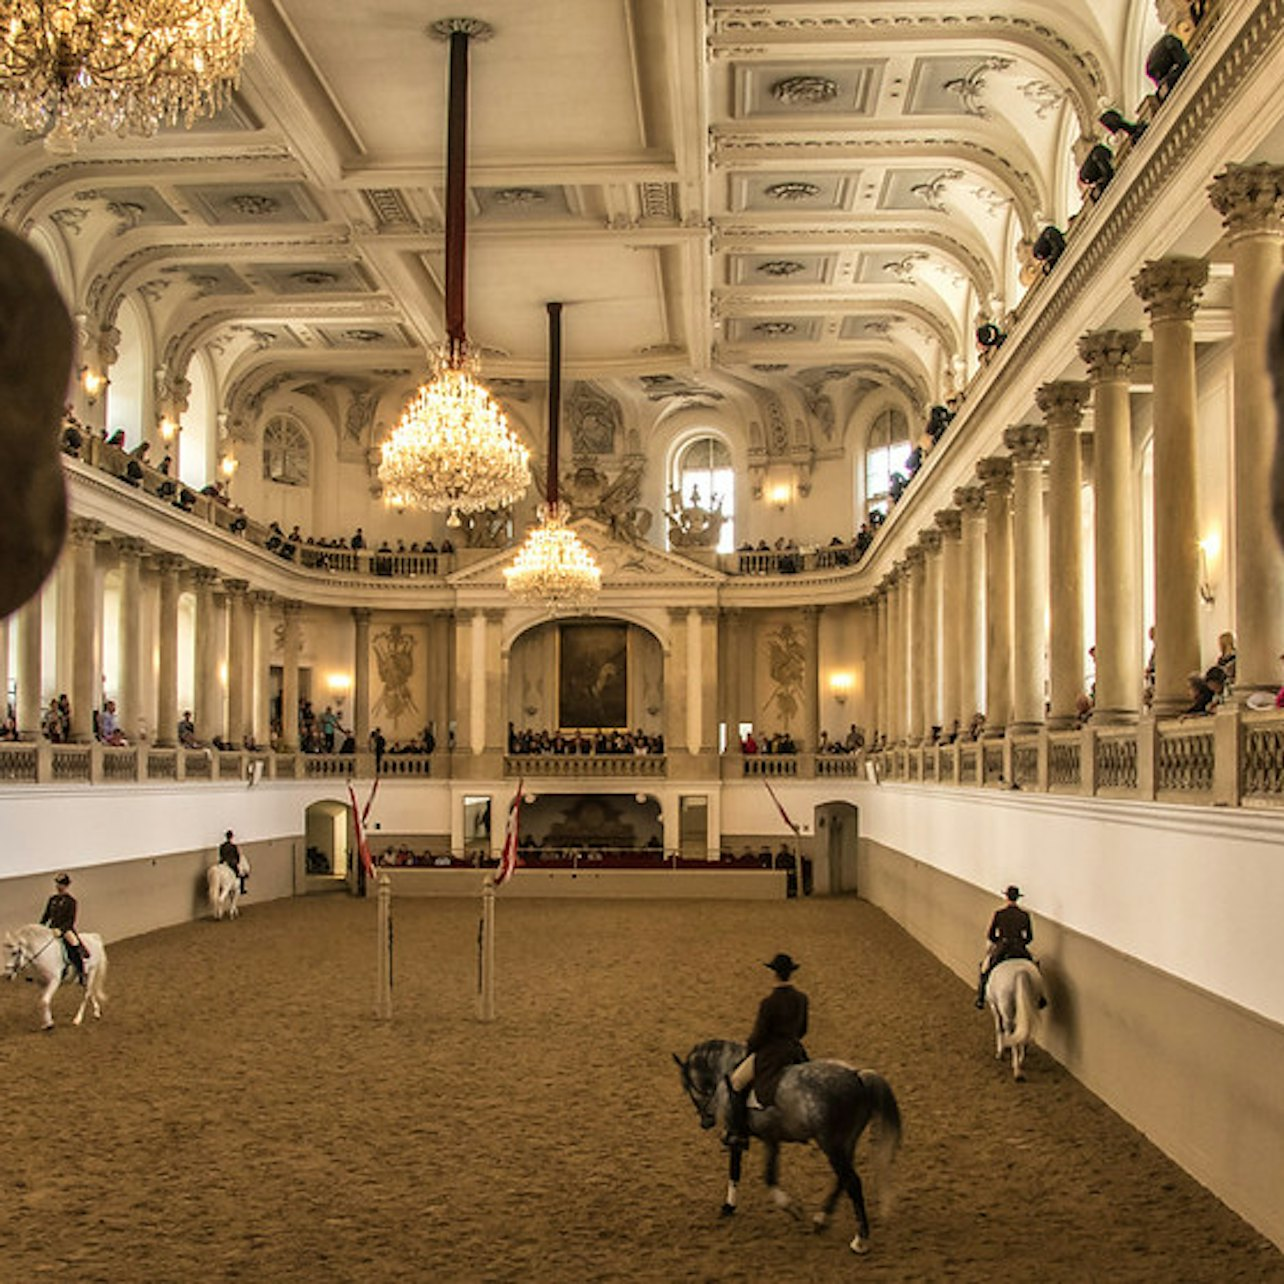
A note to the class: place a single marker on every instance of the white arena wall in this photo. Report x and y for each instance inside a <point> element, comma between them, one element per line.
<point>1160,933</point>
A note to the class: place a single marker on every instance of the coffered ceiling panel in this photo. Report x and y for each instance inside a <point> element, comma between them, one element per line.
<point>260,203</point>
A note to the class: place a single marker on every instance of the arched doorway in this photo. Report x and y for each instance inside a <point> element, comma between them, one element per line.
<point>326,857</point>
<point>837,832</point>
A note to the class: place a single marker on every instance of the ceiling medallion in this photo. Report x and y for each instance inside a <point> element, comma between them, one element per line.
<point>781,267</point>
<point>363,336</point>
<point>769,367</point>
<point>776,327</point>
<point>808,90</point>
<point>71,70</point>
<point>254,205</point>
<point>314,277</point>
<point>518,197</point>
<point>793,191</point>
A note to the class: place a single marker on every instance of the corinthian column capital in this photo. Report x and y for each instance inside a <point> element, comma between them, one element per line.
<point>1170,288</point>
<point>1027,442</point>
<point>1108,353</point>
<point>84,530</point>
<point>971,500</point>
<point>930,540</point>
<point>1250,199</point>
<point>1062,402</point>
<point>950,520</point>
<point>995,475</point>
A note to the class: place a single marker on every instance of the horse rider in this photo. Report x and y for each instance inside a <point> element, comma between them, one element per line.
<point>1010,935</point>
<point>775,1044</point>
<point>60,918</point>
<point>230,854</point>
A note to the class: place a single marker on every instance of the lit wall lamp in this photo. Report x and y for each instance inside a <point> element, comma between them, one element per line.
<point>780,494</point>
<point>93,382</point>
<point>1209,548</point>
<point>229,466</point>
<point>340,684</point>
<point>841,686</point>
<point>168,428</point>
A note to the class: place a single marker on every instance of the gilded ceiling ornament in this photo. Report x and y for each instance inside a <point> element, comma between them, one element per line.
<point>792,191</point>
<point>807,90</point>
<point>932,192</point>
<point>254,204</point>
<point>781,267</point>
<point>518,197</point>
<point>775,327</point>
<point>970,86</point>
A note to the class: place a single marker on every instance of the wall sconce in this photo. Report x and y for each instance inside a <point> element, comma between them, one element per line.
<point>840,686</point>
<point>229,466</point>
<point>339,683</point>
<point>779,494</point>
<point>167,429</point>
<point>1209,548</point>
<point>93,383</point>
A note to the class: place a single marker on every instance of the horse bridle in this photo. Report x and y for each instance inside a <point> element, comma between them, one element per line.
<point>15,967</point>
<point>708,1117</point>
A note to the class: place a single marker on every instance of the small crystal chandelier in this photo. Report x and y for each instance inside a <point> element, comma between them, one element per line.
<point>452,450</point>
<point>553,567</point>
<point>72,69</point>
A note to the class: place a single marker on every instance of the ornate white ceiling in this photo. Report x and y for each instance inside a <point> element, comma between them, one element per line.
<point>721,193</point>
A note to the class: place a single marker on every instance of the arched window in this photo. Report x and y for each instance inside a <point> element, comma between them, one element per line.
<point>287,452</point>
<point>704,483</point>
<point>886,452</point>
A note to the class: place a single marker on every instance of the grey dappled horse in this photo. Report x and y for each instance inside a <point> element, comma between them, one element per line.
<point>1015,994</point>
<point>828,1102</point>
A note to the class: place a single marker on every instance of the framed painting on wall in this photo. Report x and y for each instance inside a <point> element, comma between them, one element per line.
<point>593,689</point>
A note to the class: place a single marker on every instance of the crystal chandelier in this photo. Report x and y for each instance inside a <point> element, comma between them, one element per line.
<point>452,450</point>
<point>72,69</point>
<point>553,567</point>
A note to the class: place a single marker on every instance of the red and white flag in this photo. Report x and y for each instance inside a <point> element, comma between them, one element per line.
<point>359,817</point>
<point>508,853</point>
<point>784,815</point>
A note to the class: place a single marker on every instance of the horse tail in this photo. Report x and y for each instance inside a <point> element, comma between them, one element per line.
<point>885,1132</point>
<point>1023,998</point>
<point>100,975</point>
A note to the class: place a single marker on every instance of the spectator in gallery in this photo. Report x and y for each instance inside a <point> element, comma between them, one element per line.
<point>1201,696</point>
<point>1226,656</point>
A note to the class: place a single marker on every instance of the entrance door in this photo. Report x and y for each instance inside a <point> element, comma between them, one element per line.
<point>839,823</point>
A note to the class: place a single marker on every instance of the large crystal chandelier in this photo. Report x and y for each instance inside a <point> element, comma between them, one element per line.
<point>553,567</point>
<point>453,451</point>
<point>72,69</point>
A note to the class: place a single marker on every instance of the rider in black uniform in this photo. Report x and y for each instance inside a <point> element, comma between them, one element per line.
<point>1010,935</point>
<point>776,1043</point>
<point>60,918</point>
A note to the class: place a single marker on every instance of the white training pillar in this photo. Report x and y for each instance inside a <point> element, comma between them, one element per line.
<point>383,946</point>
<point>486,953</point>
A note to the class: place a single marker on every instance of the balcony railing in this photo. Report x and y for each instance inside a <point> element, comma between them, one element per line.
<point>584,766</point>
<point>1233,758</point>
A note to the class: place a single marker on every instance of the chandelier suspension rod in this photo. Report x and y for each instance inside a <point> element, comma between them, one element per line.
<point>554,398</point>
<point>456,192</point>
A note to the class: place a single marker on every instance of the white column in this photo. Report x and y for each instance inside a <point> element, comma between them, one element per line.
<point>85,669</point>
<point>168,566</point>
<point>995,474</point>
<point>30,651</point>
<point>971,500</point>
<point>1028,444</point>
<point>950,650</point>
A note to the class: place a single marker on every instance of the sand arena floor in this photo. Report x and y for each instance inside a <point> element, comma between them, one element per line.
<point>240,1115</point>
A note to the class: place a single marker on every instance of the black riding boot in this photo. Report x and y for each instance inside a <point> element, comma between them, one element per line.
<point>737,1134</point>
<point>980,989</point>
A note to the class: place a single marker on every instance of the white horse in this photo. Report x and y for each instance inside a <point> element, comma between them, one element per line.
<point>1015,994</point>
<point>224,886</point>
<point>36,952</point>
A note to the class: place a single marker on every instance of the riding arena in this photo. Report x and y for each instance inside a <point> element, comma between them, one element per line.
<point>240,1113</point>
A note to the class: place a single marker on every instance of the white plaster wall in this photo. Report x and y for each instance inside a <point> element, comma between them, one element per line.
<point>1195,892</point>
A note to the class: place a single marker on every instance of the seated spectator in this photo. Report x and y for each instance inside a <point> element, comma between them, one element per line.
<point>139,452</point>
<point>1215,677</point>
<point>109,731</point>
<point>1201,696</point>
<point>187,731</point>
<point>1082,709</point>
<point>117,439</point>
<point>51,724</point>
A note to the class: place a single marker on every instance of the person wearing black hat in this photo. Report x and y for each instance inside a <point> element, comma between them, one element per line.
<point>230,855</point>
<point>60,918</point>
<point>776,1043</point>
<point>1010,935</point>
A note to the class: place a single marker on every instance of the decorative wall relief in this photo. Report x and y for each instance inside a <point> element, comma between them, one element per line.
<point>786,670</point>
<point>595,420</point>
<point>399,705</point>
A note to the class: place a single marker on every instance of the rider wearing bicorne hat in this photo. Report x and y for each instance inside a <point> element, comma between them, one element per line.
<point>1010,934</point>
<point>775,1044</point>
<point>60,918</point>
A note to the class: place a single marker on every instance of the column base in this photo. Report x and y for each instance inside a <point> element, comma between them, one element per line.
<point>1064,722</point>
<point>994,733</point>
<point>1116,717</point>
<point>1024,728</point>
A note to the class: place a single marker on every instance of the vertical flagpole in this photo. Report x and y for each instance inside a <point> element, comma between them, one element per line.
<point>383,948</point>
<point>486,988</point>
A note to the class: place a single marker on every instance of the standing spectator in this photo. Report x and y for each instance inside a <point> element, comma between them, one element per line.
<point>379,743</point>
<point>329,725</point>
<point>1226,657</point>
<point>187,731</point>
<point>109,731</point>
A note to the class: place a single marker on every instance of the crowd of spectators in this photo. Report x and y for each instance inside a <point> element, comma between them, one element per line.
<point>315,551</point>
<point>601,741</point>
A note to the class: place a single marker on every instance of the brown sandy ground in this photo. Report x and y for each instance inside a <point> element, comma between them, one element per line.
<point>240,1115</point>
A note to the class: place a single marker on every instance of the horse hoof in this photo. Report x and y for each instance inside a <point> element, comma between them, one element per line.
<point>819,1222</point>
<point>860,1246</point>
<point>727,1210</point>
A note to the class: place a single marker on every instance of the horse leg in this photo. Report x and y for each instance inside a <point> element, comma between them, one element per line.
<point>735,1159</point>
<point>1018,1062</point>
<point>848,1179</point>
<point>46,996</point>
<point>820,1219</point>
<point>998,1032</point>
<point>771,1172</point>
